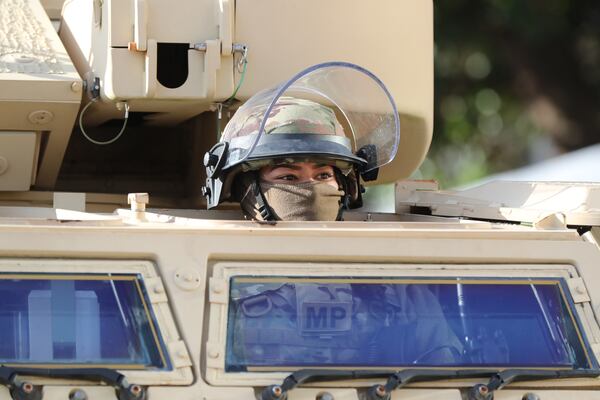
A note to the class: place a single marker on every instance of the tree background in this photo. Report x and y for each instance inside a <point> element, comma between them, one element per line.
<point>516,81</point>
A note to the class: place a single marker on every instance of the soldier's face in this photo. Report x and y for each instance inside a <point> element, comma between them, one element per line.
<point>299,172</point>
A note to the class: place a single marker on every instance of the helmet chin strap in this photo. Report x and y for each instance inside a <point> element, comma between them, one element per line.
<point>263,207</point>
<point>345,201</point>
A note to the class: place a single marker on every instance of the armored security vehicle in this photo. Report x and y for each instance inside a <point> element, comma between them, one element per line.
<point>117,282</point>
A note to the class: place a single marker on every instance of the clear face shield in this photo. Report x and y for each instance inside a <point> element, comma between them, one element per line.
<point>362,104</point>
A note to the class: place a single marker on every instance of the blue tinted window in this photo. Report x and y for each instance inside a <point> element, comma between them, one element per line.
<point>307,322</point>
<point>77,319</point>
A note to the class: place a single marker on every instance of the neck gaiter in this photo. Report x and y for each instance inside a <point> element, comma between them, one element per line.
<point>310,201</point>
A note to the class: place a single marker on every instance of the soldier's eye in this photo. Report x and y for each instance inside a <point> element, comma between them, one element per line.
<point>324,176</point>
<point>286,177</point>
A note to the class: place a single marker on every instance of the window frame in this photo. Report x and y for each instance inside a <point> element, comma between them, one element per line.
<point>177,369</point>
<point>223,271</point>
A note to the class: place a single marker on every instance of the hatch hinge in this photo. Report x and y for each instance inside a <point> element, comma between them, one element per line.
<point>578,290</point>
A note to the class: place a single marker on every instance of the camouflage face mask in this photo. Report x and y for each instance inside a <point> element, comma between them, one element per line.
<point>310,201</point>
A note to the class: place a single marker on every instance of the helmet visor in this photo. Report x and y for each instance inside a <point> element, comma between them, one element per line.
<point>362,103</point>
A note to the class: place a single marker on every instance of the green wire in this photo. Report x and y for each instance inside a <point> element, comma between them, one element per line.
<point>231,98</point>
<point>243,75</point>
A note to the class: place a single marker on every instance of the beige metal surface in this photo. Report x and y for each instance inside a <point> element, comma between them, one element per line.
<point>40,90</point>
<point>18,159</point>
<point>392,38</point>
<point>187,256</point>
<point>53,8</point>
<point>549,205</point>
<point>118,42</point>
<point>198,249</point>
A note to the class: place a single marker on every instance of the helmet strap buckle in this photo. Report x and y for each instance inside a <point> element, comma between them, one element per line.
<point>263,207</point>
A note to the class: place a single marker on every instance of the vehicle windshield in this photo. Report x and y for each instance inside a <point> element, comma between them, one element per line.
<point>91,320</point>
<point>284,323</point>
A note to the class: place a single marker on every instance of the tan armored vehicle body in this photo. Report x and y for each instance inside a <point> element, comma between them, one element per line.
<point>489,292</point>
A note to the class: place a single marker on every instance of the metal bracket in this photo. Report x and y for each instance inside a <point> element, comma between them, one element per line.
<point>239,48</point>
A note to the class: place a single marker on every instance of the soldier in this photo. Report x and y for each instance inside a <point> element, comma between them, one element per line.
<point>304,170</point>
<point>287,158</point>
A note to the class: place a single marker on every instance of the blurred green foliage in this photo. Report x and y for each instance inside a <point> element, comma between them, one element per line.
<point>515,82</point>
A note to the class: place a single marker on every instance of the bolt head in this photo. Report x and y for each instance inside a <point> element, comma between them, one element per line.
<point>530,396</point>
<point>188,277</point>
<point>27,387</point>
<point>76,87</point>
<point>325,396</point>
<point>135,390</point>
<point>277,391</point>
<point>77,394</point>
<point>380,391</point>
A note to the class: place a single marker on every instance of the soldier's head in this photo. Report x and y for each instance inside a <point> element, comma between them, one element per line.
<point>289,158</point>
<point>303,167</point>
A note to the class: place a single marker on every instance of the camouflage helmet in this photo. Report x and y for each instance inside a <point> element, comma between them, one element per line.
<point>296,130</point>
<point>289,115</point>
